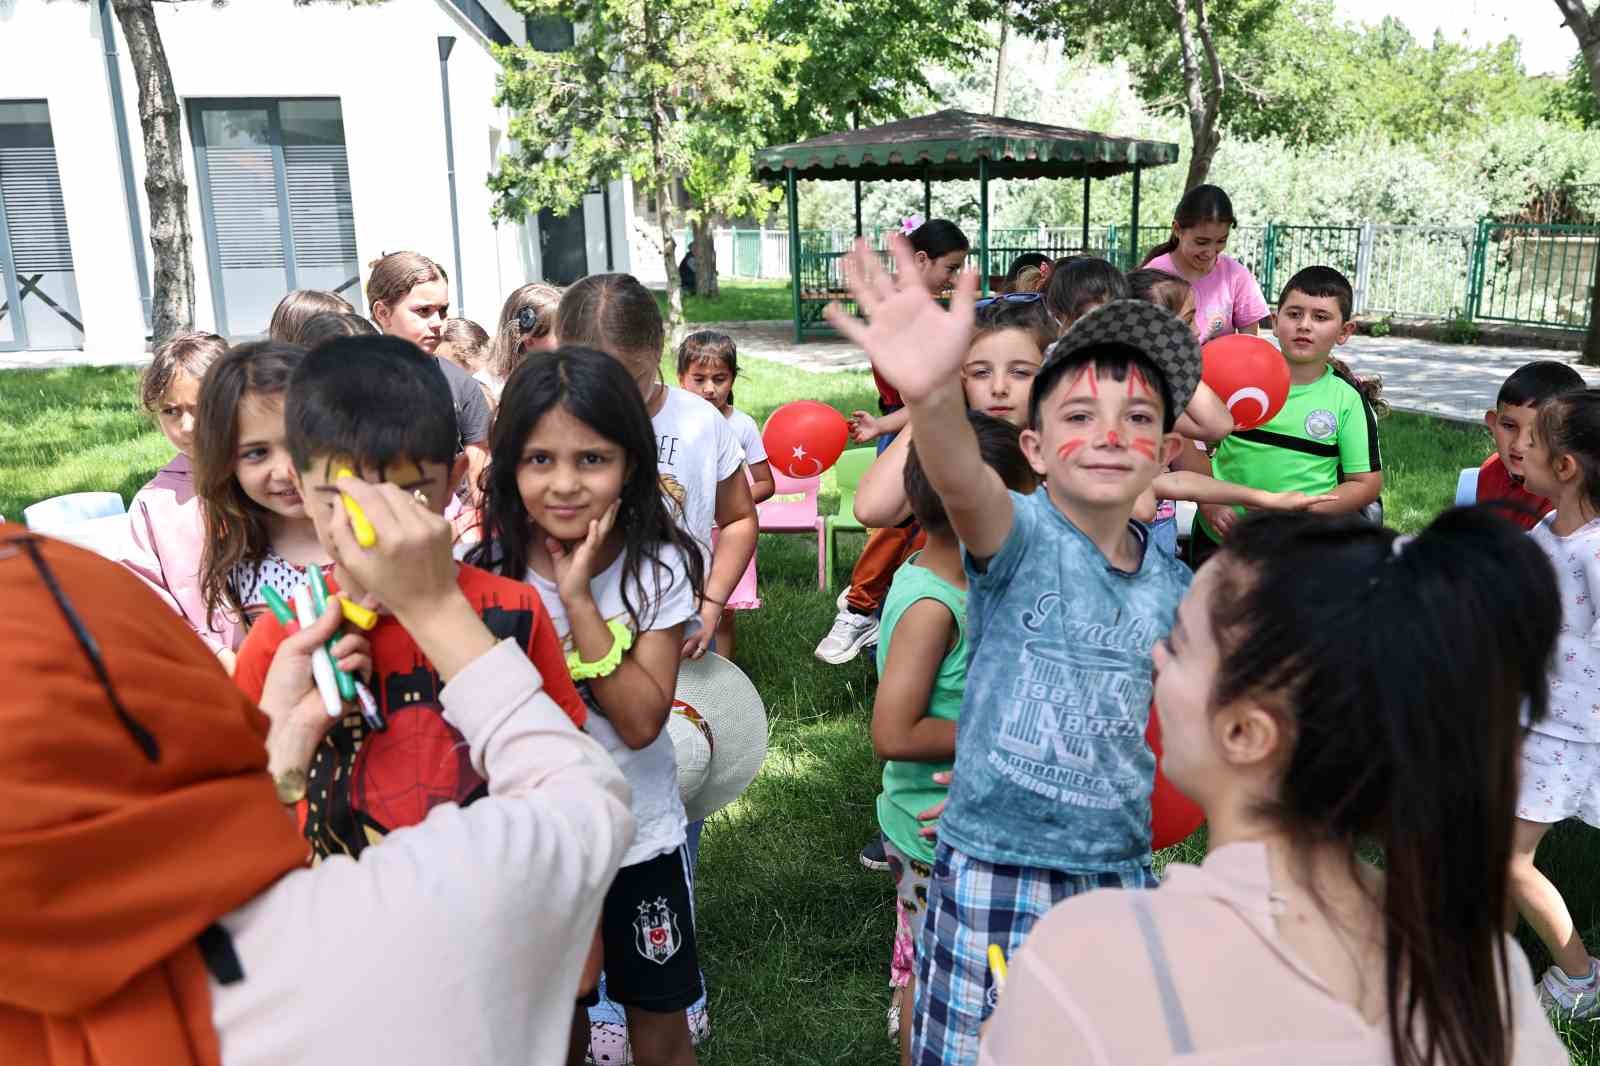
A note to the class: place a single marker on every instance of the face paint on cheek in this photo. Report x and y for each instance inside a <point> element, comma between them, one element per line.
<point>1067,450</point>
<point>1144,446</point>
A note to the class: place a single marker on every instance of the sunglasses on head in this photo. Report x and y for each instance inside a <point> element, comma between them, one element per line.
<point>28,545</point>
<point>1007,298</point>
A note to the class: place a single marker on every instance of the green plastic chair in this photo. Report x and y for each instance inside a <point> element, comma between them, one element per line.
<point>847,473</point>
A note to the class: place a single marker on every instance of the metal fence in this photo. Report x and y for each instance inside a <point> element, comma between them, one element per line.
<point>1536,275</point>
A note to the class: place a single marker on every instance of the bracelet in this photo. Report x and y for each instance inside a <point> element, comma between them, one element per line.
<point>621,641</point>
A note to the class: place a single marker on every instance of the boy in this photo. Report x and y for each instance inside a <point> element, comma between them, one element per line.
<point>1324,440</point>
<point>382,408</point>
<point>1511,421</point>
<point>922,666</point>
<point>1051,794</point>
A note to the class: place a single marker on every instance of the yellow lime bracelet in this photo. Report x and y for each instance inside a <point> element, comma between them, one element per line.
<point>621,641</point>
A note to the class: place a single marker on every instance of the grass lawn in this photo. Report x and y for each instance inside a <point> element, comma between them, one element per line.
<point>795,935</point>
<point>740,301</point>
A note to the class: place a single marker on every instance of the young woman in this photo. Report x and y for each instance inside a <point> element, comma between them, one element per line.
<point>1227,297</point>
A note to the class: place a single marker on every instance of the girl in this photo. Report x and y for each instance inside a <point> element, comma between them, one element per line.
<point>256,529</point>
<point>708,363</point>
<point>168,528</point>
<point>574,508</point>
<point>1561,752</point>
<point>1292,709</point>
<point>331,325</point>
<point>463,342</point>
<point>527,324</point>
<point>1164,289</point>
<point>1227,298</point>
<point>299,307</point>
<point>410,296</point>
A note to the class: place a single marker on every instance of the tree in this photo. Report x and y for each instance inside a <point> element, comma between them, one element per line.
<point>172,305</point>
<point>1585,26</point>
<point>669,91</point>
<point>1573,101</point>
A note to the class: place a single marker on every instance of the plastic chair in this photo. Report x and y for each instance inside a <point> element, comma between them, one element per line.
<point>1467,487</point>
<point>59,512</point>
<point>108,535</point>
<point>792,508</point>
<point>847,474</point>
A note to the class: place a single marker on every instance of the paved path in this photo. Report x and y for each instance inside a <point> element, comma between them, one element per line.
<point>1452,380</point>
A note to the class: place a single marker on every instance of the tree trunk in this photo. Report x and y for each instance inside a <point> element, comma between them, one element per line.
<point>1586,28</point>
<point>1202,89</point>
<point>1000,62</point>
<point>172,307</point>
<point>705,258</point>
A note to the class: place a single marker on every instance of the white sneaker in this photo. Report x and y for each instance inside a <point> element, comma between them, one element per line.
<point>843,599</point>
<point>1568,998</point>
<point>850,633</point>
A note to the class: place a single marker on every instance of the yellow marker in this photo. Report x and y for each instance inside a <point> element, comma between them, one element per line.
<point>357,615</point>
<point>366,536</point>
<point>997,965</point>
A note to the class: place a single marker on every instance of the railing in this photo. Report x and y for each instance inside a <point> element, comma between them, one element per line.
<point>1534,275</point>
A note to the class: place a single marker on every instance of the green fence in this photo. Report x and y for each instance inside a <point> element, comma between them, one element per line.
<point>1533,275</point>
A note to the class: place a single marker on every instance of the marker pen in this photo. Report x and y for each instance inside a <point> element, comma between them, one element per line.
<point>366,536</point>
<point>321,663</point>
<point>319,600</point>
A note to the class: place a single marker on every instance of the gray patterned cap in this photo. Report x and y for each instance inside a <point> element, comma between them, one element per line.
<point>1152,330</point>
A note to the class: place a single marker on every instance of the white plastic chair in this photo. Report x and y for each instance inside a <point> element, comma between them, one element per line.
<point>58,512</point>
<point>1467,487</point>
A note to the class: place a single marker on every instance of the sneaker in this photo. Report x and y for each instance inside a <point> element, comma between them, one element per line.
<point>850,633</point>
<point>873,857</point>
<point>1568,998</point>
<point>844,597</point>
<point>894,1014</point>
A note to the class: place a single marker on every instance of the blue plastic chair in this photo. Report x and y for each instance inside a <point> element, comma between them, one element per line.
<point>59,512</point>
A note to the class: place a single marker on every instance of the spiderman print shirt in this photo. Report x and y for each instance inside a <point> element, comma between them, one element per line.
<point>364,784</point>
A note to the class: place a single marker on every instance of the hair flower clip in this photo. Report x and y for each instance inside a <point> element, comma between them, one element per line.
<point>910,224</point>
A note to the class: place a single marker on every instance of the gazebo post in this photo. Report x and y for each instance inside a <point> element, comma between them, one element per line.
<point>1133,239</point>
<point>927,195</point>
<point>791,193</point>
<point>1086,181</point>
<point>858,207</point>
<point>983,223</point>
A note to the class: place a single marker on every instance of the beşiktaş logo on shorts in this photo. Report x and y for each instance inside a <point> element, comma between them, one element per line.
<point>1321,424</point>
<point>655,931</point>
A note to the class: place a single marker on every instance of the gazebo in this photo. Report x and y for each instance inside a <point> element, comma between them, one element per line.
<point>944,146</point>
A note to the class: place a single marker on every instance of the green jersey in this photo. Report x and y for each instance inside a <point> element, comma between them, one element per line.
<point>1325,430</point>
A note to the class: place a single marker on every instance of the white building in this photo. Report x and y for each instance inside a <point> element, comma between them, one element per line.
<point>314,141</point>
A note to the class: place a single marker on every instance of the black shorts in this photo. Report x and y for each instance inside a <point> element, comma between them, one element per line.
<point>647,925</point>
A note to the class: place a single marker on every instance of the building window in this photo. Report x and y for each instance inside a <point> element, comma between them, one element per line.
<point>38,287</point>
<point>275,203</point>
<point>549,33</point>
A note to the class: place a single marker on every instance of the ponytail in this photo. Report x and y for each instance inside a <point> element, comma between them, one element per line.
<point>1370,387</point>
<point>1323,622</point>
<point>1200,205</point>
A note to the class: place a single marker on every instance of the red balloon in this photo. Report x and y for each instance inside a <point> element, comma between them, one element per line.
<point>803,438</point>
<point>1250,375</point>
<point>1173,816</point>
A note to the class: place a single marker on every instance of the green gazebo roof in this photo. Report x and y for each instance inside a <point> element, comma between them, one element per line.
<point>947,145</point>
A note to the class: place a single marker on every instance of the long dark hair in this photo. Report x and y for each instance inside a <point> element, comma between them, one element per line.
<point>1324,621</point>
<point>236,529</point>
<point>1201,204</point>
<point>1570,424</point>
<point>595,389</point>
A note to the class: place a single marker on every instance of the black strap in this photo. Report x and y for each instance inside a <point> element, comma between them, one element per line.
<point>216,948</point>
<point>1293,444</point>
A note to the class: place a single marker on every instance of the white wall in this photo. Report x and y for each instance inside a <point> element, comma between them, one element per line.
<point>380,61</point>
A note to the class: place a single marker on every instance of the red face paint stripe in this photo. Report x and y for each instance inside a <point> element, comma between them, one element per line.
<point>1067,450</point>
<point>1146,448</point>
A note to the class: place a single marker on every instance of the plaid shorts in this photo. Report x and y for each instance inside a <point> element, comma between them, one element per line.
<point>972,904</point>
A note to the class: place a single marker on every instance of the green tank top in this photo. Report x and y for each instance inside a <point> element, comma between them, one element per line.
<point>908,787</point>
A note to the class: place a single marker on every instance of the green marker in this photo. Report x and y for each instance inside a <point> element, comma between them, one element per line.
<point>319,600</point>
<point>275,604</point>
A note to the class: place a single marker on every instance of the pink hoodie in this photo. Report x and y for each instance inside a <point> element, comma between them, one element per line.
<point>168,539</point>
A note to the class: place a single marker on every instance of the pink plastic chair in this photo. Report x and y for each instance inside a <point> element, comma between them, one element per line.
<point>792,508</point>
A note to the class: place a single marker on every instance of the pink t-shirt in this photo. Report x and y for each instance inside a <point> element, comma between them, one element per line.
<point>1225,300</point>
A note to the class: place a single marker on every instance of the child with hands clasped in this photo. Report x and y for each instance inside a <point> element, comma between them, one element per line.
<point>1560,767</point>
<point>1051,793</point>
<point>708,364</point>
<point>574,508</point>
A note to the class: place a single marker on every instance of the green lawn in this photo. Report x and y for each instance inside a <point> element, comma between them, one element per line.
<point>795,935</point>
<point>740,301</point>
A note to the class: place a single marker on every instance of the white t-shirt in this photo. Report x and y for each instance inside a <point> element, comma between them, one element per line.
<point>744,427</point>
<point>696,450</point>
<point>652,771</point>
<point>1575,673</point>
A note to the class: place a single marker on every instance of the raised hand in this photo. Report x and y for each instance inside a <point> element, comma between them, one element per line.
<point>916,345</point>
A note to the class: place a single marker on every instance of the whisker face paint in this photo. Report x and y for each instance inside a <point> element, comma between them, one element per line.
<point>1144,446</point>
<point>1069,449</point>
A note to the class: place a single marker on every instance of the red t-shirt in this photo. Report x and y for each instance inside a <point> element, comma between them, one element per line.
<point>1494,483</point>
<point>888,398</point>
<point>362,787</point>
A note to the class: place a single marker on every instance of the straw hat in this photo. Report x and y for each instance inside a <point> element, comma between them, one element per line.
<point>719,732</point>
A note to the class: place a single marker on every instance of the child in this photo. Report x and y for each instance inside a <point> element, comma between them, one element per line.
<point>1227,298</point>
<point>1511,421</point>
<point>1330,692</point>
<point>1051,793</point>
<point>168,529</point>
<point>1561,751</point>
<point>299,307</point>
<point>463,342</point>
<point>708,363</point>
<point>1325,439</point>
<point>576,510</point>
<point>378,407</point>
<point>527,324</point>
<point>329,325</point>
<point>922,666</point>
<point>1164,289</point>
<point>1029,272</point>
<point>256,530</point>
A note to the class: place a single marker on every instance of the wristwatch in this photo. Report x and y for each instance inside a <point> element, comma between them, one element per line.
<point>291,786</point>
